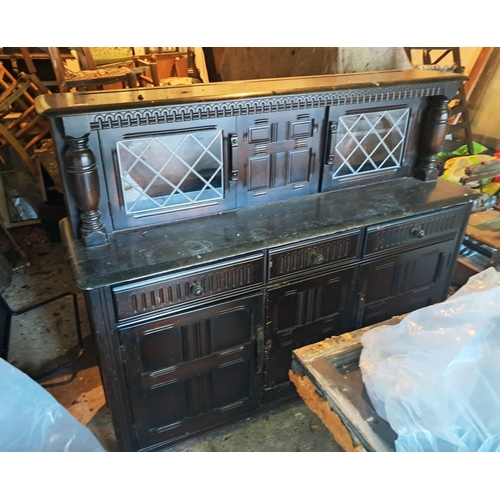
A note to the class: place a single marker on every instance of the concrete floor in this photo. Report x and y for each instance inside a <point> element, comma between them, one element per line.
<point>47,335</point>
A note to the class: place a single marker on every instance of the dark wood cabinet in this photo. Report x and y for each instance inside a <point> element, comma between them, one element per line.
<point>279,156</point>
<point>418,271</point>
<point>369,144</point>
<point>172,169</point>
<point>193,369</point>
<point>216,228</point>
<point>302,313</point>
<point>404,282</point>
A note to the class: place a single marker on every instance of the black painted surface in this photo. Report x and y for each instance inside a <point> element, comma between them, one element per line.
<point>154,251</point>
<point>274,142</point>
<point>193,370</point>
<point>88,102</point>
<point>197,310</point>
<point>303,313</point>
<point>405,282</point>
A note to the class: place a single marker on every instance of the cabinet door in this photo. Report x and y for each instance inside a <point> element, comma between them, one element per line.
<point>277,156</point>
<point>193,371</point>
<point>370,144</point>
<point>404,282</point>
<point>303,313</point>
<point>167,172</point>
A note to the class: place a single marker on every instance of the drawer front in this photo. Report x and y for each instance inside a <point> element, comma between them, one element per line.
<point>317,253</point>
<point>414,231</point>
<point>183,288</point>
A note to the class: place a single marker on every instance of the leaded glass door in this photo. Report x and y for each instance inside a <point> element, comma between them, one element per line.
<point>169,173</point>
<point>369,145</point>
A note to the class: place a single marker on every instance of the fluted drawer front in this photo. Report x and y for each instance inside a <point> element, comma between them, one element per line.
<point>413,231</point>
<point>314,253</point>
<point>180,288</point>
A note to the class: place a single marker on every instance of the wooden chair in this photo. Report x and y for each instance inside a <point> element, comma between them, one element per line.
<point>20,126</point>
<point>149,78</point>
<point>91,77</point>
<point>171,64</point>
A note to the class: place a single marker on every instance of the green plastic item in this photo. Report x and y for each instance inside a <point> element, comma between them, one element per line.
<point>463,151</point>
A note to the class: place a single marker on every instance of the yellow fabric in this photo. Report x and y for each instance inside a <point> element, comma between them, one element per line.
<point>454,168</point>
<point>109,55</point>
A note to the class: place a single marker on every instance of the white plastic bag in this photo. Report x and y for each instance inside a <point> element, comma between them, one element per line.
<point>435,377</point>
<point>32,420</point>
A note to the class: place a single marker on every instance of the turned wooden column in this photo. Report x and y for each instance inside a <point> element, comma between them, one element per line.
<point>83,182</point>
<point>432,136</point>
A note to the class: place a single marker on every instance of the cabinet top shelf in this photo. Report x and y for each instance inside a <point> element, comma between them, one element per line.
<point>75,103</point>
<point>176,246</point>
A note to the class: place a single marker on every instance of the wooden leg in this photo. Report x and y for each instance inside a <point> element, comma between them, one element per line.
<point>27,59</point>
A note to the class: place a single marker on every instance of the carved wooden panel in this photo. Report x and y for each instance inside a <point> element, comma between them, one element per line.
<point>191,369</point>
<point>278,156</point>
<point>259,173</point>
<point>177,289</point>
<point>303,313</point>
<point>243,107</point>
<point>404,282</point>
<point>413,231</point>
<point>314,254</point>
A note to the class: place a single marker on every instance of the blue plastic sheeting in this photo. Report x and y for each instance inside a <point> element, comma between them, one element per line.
<point>32,420</point>
<point>435,377</point>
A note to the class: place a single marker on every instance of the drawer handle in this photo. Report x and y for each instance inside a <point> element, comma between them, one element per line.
<point>317,258</point>
<point>419,233</point>
<point>196,290</point>
<point>233,139</point>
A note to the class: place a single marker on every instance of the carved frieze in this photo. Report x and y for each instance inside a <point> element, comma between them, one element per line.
<point>241,107</point>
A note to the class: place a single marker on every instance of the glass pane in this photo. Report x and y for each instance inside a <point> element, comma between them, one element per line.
<point>370,142</point>
<point>171,171</point>
<point>22,209</point>
<point>22,192</point>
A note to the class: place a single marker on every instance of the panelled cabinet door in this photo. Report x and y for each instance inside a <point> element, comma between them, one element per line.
<point>404,282</point>
<point>304,313</point>
<point>278,155</point>
<point>193,370</point>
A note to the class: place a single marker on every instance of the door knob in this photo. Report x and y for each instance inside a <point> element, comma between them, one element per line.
<point>317,258</point>
<point>196,290</point>
<point>419,233</point>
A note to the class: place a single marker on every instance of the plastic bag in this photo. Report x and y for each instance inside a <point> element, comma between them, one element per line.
<point>32,420</point>
<point>435,377</point>
<point>454,169</point>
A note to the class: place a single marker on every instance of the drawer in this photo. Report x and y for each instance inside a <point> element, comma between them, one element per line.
<point>415,231</point>
<point>189,286</point>
<point>316,253</point>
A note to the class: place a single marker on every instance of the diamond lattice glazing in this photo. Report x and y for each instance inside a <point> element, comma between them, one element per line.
<point>162,172</point>
<point>369,142</point>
